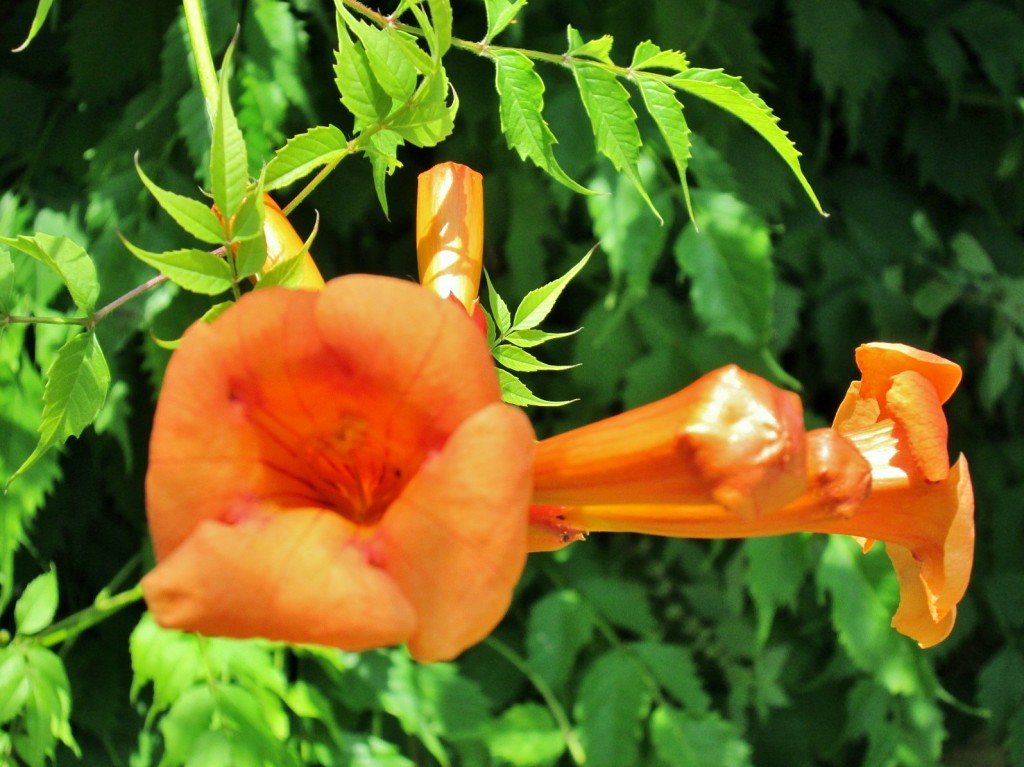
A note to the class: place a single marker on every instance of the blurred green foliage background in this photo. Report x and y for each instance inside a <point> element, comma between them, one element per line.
<point>632,650</point>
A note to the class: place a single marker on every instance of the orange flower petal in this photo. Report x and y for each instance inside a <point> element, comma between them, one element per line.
<point>455,541</point>
<point>878,362</point>
<point>914,405</point>
<point>297,577</point>
<point>450,231</point>
<point>730,438</point>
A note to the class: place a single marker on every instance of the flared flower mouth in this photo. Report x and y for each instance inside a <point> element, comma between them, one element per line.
<point>727,458</point>
<point>319,475</point>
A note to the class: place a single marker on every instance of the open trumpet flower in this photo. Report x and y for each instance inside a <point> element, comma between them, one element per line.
<point>450,233</point>
<point>880,473</point>
<point>319,475</point>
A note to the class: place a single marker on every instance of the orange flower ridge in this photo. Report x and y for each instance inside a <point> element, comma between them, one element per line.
<point>727,458</point>
<point>337,468</point>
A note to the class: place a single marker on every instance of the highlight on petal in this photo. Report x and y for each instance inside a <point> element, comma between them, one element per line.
<point>730,438</point>
<point>283,242</point>
<point>337,408</point>
<point>915,406</point>
<point>450,231</point>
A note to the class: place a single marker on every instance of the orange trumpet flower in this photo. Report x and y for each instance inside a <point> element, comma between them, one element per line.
<point>881,472</point>
<point>450,232</point>
<point>318,475</point>
<point>283,242</point>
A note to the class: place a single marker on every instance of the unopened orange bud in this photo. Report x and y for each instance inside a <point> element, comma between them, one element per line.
<point>450,231</point>
<point>283,242</point>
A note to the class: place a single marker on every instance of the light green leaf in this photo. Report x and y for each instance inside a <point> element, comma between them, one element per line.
<point>600,48</point>
<point>534,337</point>
<point>195,217</point>
<point>515,392</point>
<point>647,55</point>
<point>383,153</point>
<point>432,118</point>
<point>521,106</point>
<point>538,303</point>
<point>441,14</point>
<point>667,111</point>
<point>521,361</point>
<point>612,703</point>
<point>361,93</point>
<point>68,260</point>
<point>613,121</point>
<point>288,271</point>
<point>42,9</point>
<point>76,386</point>
<point>14,682</point>
<point>251,241</point>
<point>229,164</point>
<point>6,282</point>
<point>499,310</point>
<point>194,270</point>
<point>37,605</point>
<point>393,56</point>
<point>526,735</point>
<point>500,13</point>
<point>303,154</point>
<point>47,708</point>
<point>681,738</point>
<point>732,95</point>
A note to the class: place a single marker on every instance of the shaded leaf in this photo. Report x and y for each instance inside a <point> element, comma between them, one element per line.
<point>559,627</point>
<point>37,604</point>
<point>67,260</point>
<point>42,9</point>
<point>680,738</point>
<point>611,706</point>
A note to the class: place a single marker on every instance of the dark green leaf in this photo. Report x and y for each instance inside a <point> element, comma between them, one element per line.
<point>777,568</point>
<point>37,605</point>
<point>559,627</point>
<point>624,603</point>
<point>999,368</point>
<point>612,704</point>
<point>675,670</point>
<point>521,107</point>
<point>680,738</point>
<point>196,270</point>
<point>65,258</point>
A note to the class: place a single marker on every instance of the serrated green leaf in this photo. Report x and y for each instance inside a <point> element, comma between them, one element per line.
<point>559,627</point>
<point>37,604</point>
<point>251,247</point>
<point>521,106</point>
<point>68,260</point>
<point>613,121</point>
<point>76,386</point>
<point>394,58</point>
<point>303,154</point>
<point>611,706</point>
<point>42,9</point>
<point>599,48</point>
<point>673,667</point>
<point>515,392</point>
<point>731,94</point>
<point>229,163</point>
<point>538,303</point>
<point>288,272</point>
<point>47,708</point>
<point>194,270</point>
<point>6,282</point>
<point>680,738</point>
<point>534,337</point>
<point>647,55</point>
<point>383,153</point>
<point>667,112</point>
<point>361,93</point>
<point>14,682</point>
<point>441,15</point>
<point>777,567</point>
<point>430,119</point>
<point>526,735</point>
<point>521,361</point>
<point>999,369</point>
<point>500,13</point>
<point>195,217</point>
<point>624,603</point>
<point>499,310</point>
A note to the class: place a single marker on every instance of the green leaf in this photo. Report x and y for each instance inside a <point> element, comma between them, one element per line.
<point>777,567</point>
<point>14,682</point>
<point>171,660</point>
<point>525,735</point>
<point>288,271</point>
<point>500,13</point>
<point>521,107</point>
<point>441,14</point>
<point>971,256</point>
<point>732,95</point>
<point>647,55</point>
<point>195,217</point>
<point>999,368</point>
<point>667,112</point>
<point>383,153</point>
<point>599,48</point>
<point>624,603</point>
<point>533,337</point>
<point>6,282</point>
<point>229,164</point>
<point>675,671</point>
<point>538,303</point>
<point>303,154</point>
<point>194,270</point>
<point>47,708</point>
<point>76,386</point>
<point>215,311</point>
<point>499,310</point>
<point>729,265</point>
<point>251,252</point>
<point>515,392</point>
<point>680,738</point>
<point>1001,687</point>
<point>68,260</point>
<point>430,119</point>
<point>361,93</point>
<point>37,605</point>
<point>514,358</point>
<point>394,58</point>
<point>613,121</point>
<point>42,9</point>
<point>612,703</point>
<point>559,627</point>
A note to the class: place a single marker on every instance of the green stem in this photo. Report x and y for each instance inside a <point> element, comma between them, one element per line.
<point>13,319</point>
<point>205,67</point>
<point>579,756</point>
<point>99,611</point>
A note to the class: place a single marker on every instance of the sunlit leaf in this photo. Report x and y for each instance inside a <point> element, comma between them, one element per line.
<point>599,48</point>
<point>667,111</point>
<point>67,260</point>
<point>525,736</point>
<point>611,706</point>
<point>647,55</point>
<point>229,163</point>
<point>500,13</point>
<point>195,217</point>
<point>42,9</point>
<point>37,604</point>
<point>195,270</point>
<point>515,392</point>
<point>361,93</point>
<point>534,337</point>
<point>303,154</point>
<point>538,303</point>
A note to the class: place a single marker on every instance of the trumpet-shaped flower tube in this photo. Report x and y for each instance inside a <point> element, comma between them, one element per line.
<point>450,232</point>
<point>880,473</point>
<point>337,468</point>
<point>283,242</point>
